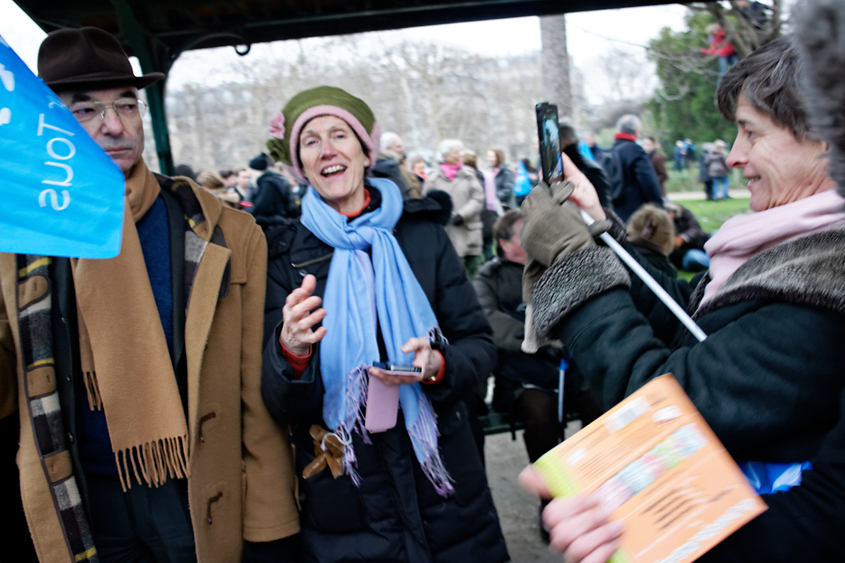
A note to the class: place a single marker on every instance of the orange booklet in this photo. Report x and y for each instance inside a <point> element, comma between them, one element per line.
<point>655,462</point>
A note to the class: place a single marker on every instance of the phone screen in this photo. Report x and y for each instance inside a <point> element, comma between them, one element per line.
<point>548,132</point>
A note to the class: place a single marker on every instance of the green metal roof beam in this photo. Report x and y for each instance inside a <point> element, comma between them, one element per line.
<point>141,48</point>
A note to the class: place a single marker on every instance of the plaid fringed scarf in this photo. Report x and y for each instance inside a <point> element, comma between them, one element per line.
<point>36,339</point>
<point>34,306</point>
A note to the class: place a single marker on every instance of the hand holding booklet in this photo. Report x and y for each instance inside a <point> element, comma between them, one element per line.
<point>655,463</point>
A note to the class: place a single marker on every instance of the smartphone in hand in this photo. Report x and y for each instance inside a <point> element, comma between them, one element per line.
<point>548,132</point>
<point>397,369</point>
<point>383,399</point>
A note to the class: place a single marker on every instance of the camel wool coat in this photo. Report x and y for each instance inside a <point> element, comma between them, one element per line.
<point>241,484</point>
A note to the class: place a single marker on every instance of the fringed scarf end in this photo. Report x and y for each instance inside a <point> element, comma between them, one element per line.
<point>152,463</point>
<point>437,474</point>
<point>95,401</point>
<point>424,435</point>
<point>353,420</point>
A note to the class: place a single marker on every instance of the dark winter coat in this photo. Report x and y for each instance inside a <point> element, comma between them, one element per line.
<point>504,185</point>
<point>395,514</point>
<point>273,201</point>
<point>387,166</point>
<point>704,168</point>
<point>499,288</point>
<point>803,524</point>
<point>594,173</point>
<point>659,163</point>
<point>717,165</point>
<point>768,377</point>
<point>640,183</point>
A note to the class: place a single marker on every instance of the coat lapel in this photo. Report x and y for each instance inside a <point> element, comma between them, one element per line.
<point>201,308</point>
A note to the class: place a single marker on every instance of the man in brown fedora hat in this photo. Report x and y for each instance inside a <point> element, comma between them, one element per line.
<point>143,434</point>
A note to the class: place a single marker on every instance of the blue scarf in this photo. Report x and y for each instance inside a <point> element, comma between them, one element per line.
<point>360,290</point>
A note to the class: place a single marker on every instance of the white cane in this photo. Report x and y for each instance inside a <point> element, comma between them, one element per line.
<point>652,284</point>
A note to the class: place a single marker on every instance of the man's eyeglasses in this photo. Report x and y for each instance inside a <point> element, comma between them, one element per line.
<point>124,108</point>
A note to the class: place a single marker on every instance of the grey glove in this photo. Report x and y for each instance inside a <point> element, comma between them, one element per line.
<point>552,228</point>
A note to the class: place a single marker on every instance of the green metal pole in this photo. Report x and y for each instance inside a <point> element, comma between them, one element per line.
<point>155,93</point>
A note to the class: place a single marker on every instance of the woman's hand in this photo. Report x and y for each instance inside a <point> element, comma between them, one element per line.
<point>424,357</point>
<point>300,314</point>
<point>578,526</point>
<point>585,195</point>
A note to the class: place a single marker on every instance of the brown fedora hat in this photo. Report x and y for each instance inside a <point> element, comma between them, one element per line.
<point>87,58</point>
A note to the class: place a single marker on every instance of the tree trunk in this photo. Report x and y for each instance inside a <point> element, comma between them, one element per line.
<point>555,64</point>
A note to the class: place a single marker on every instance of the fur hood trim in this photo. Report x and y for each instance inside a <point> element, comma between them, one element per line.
<point>809,270</point>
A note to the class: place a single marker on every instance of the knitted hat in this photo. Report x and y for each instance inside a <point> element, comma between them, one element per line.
<point>259,162</point>
<point>286,127</point>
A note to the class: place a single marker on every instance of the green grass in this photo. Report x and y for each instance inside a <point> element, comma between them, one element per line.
<point>711,215</point>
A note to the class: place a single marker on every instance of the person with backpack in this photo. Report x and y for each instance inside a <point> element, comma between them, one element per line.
<point>633,181</point>
<point>717,167</point>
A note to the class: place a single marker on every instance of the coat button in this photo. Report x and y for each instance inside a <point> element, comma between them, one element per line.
<point>70,437</point>
<point>303,273</point>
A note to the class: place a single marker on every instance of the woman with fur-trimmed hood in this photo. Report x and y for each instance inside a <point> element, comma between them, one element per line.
<point>768,378</point>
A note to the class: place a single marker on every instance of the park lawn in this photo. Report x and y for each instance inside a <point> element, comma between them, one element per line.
<point>711,215</point>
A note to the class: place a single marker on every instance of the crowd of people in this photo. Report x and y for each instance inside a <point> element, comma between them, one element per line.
<point>284,362</point>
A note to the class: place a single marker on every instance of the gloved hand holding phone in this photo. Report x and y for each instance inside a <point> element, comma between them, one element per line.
<point>553,227</point>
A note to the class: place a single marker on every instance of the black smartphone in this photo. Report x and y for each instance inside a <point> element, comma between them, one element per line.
<point>547,130</point>
<point>397,369</point>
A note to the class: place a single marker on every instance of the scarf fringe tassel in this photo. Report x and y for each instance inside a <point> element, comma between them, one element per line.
<point>424,436</point>
<point>354,420</point>
<point>94,398</point>
<point>153,462</point>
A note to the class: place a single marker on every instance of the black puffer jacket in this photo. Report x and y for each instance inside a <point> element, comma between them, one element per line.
<point>387,166</point>
<point>594,173</point>
<point>273,201</point>
<point>395,514</point>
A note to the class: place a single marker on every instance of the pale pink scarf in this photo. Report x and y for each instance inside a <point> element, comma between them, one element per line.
<point>490,187</point>
<point>743,236</point>
<point>451,170</point>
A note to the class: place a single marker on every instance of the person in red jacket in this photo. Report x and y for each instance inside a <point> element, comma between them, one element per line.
<point>721,47</point>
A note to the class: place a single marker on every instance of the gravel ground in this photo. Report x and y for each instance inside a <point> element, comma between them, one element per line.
<point>518,510</point>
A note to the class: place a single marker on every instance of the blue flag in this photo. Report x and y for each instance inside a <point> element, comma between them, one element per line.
<point>62,195</point>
